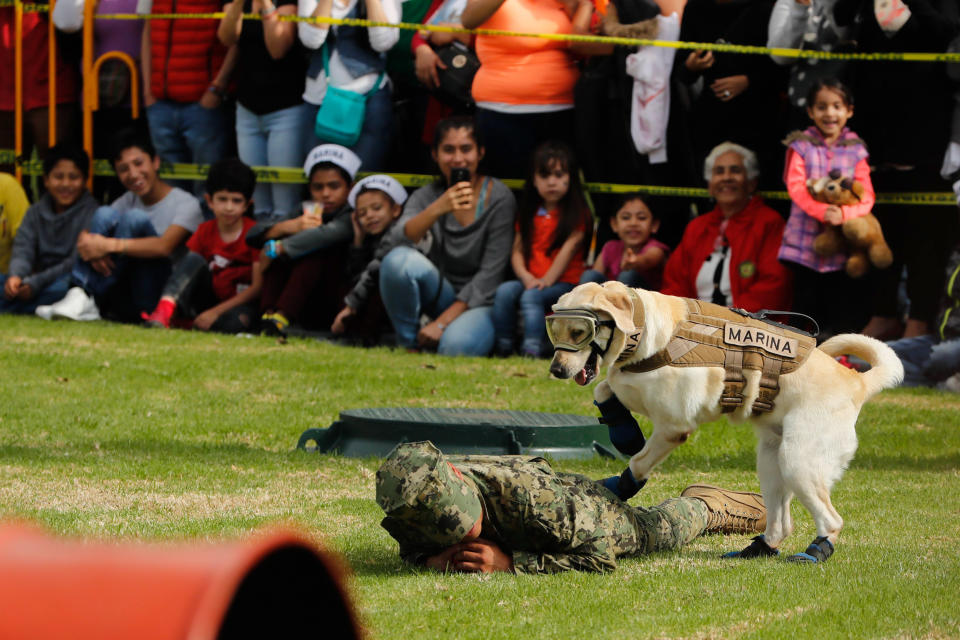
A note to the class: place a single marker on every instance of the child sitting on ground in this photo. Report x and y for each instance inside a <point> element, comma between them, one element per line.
<point>126,254</point>
<point>636,258</point>
<point>547,253</point>
<point>377,202</point>
<point>218,282</point>
<point>304,278</point>
<point>45,245</point>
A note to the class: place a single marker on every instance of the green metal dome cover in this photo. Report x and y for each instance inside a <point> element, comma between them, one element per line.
<point>374,432</point>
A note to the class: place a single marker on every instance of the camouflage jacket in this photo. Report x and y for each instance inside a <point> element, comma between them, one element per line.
<point>548,521</point>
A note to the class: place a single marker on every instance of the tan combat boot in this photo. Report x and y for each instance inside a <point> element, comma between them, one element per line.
<point>730,511</point>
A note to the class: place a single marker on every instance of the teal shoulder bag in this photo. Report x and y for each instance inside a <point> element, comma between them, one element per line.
<point>341,114</point>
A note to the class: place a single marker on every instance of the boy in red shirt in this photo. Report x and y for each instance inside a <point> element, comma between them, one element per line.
<point>218,282</point>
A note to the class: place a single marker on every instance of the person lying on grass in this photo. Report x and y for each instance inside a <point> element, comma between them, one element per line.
<point>218,283</point>
<point>516,514</point>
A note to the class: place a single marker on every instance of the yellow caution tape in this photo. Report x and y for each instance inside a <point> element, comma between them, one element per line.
<point>567,37</point>
<point>291,175</point>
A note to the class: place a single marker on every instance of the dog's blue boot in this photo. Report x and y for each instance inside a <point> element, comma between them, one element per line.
<point>756,549</point>
<point>818,551</point>
<point>624,486</point>
<point>625,433</point>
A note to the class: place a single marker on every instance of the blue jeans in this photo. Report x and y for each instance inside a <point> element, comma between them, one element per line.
<point>914,353</point>
<point>411,285</point>
<point>925,361</point>
<point>135,284</point>
<point>534,305</point>
<point>630,278</point>
<point>375,137</point>
<point>187,132</point>
<point>276,139</point>
<point>53,292</point>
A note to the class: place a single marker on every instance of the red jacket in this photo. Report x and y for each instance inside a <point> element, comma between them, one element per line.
<point>185,55</point>
<point>757,279</point>
<point>35,56</point>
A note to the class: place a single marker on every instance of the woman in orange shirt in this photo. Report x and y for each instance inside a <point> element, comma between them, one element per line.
<point>524,87</point>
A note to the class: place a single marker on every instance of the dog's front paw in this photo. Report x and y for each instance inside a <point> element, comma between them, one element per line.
<point>624,486</point>
<point>756,549</point>
<point>818,551</point>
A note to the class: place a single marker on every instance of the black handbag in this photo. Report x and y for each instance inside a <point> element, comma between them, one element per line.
<point>457,79</point>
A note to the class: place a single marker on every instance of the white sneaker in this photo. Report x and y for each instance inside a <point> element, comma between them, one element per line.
<point>76,305</point>
<point>45,311</point>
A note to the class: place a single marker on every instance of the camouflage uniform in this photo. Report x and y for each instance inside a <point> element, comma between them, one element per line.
<point>547,521</point>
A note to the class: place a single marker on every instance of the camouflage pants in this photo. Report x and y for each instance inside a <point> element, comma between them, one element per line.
<point>639,530</point>
<point>669,525</point>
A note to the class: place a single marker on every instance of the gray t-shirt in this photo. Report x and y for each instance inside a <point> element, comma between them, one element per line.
<point>177,207</point>
<point>473,258</point>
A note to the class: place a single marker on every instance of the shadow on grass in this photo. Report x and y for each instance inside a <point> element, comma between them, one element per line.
<point>170,451</point>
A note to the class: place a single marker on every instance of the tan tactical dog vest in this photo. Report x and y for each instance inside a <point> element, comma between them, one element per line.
<point>714,336</point>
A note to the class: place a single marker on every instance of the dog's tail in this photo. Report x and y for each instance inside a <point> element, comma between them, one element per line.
<point>886,370</point>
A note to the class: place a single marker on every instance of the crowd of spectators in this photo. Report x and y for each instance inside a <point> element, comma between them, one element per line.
<point>459,262</point>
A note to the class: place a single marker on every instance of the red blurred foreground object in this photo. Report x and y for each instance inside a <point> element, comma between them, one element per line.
<point>275,585</point>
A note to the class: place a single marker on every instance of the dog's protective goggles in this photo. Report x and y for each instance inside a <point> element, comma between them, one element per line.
<point>574,329</point>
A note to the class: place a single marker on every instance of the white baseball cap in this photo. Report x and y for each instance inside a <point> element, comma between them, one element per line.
<point>335,154</point>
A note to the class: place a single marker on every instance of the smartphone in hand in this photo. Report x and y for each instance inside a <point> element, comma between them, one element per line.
<point>459,174</point>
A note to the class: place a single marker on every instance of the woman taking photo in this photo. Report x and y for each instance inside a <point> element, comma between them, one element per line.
<point>464,224</point>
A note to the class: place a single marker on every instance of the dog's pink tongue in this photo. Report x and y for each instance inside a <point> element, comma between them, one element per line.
<point>581,377</point>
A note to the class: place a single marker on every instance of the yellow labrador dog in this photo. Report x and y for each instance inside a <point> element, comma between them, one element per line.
<point>671,360</point>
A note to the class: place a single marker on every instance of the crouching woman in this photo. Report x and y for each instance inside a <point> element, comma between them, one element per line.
<point>464,224</point>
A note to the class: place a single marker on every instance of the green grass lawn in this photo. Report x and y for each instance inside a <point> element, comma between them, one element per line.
<point>109,431</point>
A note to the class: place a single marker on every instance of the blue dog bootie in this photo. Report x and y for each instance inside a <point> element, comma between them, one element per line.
<point>756,549</point>
<point>625,433</point>
<point>818,551</point>
<point>624,486</point>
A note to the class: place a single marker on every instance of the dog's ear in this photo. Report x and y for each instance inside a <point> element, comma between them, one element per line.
<point>615,299</point>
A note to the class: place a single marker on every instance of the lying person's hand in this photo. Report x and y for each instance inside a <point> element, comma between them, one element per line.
<point>481,556</point>
<point>443,561</point>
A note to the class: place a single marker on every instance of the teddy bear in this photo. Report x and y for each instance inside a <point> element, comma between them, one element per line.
<point>861,237</point>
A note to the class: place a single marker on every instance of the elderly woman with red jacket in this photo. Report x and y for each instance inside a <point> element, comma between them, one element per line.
<point>729,255</point>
